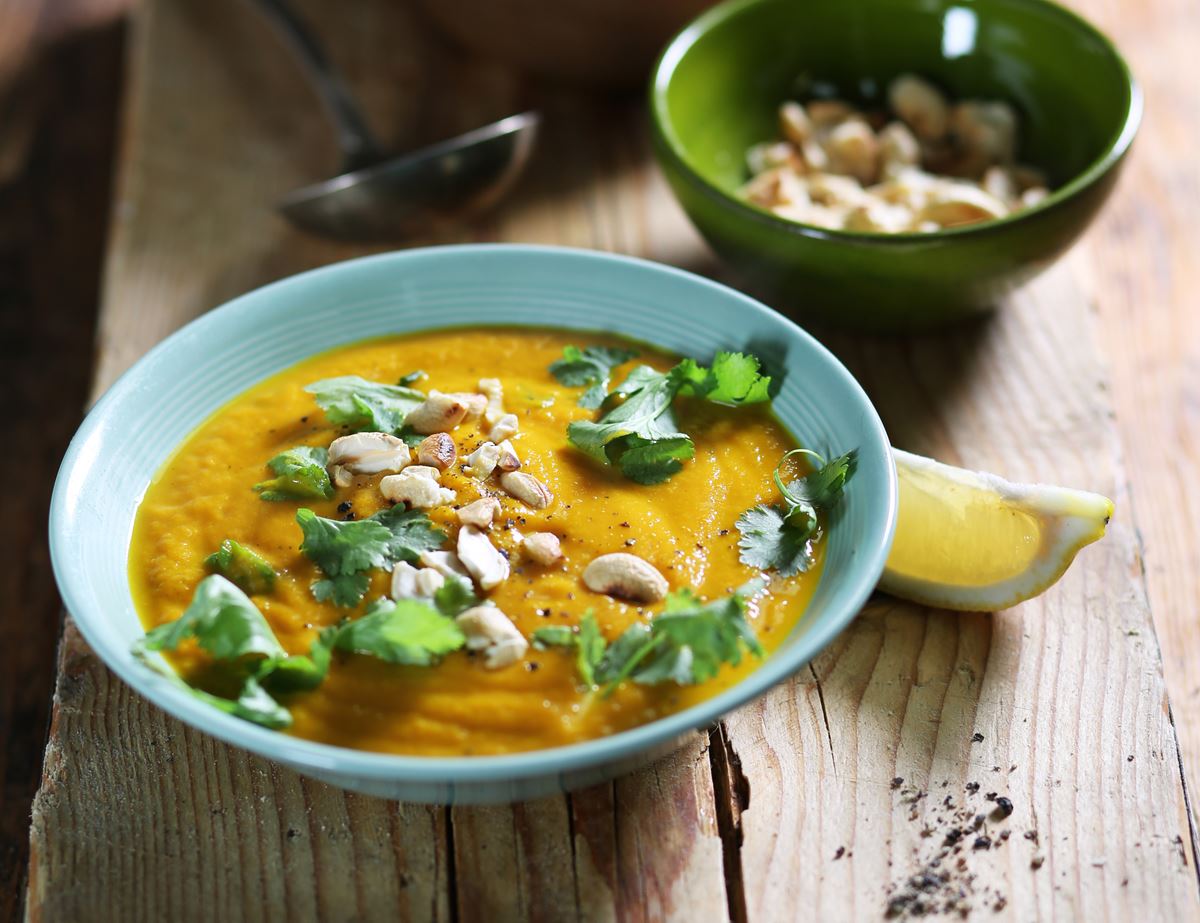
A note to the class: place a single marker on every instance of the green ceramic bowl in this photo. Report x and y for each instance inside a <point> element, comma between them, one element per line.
<point>715,92</point>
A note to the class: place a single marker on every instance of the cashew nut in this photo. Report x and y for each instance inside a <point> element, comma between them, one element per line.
<point>417,486</point>
<point>482,462</point>
<point>490,630</point>
<point>480,557</point>
<point>526,488</point>
<point>853,149</point>
<point>437,450</point>
<point>445,563</point>
<point>409,582</point>
<point>508,460</point>
<point>493,392</point>
<point>625,576</point>
<point>437,413</point>
<point>479,513</point>
<point>507,425</point>
<point>542,547</point>
<point>365,453</point>
<point>922,105</point>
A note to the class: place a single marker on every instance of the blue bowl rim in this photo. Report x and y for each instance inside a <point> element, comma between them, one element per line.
<point>344,761</point>
<point>664,69</point>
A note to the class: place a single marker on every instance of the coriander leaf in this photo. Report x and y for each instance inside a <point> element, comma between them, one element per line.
<point>222,620</point>
<point>411,378</point>
<point>412,532</point>
<point>455,596</point>
<point>652,461</point>
<point>405,632</point>
<point>253,703</point>
<point>243,566</point>
<point>780,537</point>
<point>299,672</point>
<point>553,636</point>
<point>733,379</point>
<point>365,405</point>
<point>299,475</point>
<point>343,550</point>
<point>769,542</point>
<point>696,639</point>
<point>346,590</point>
<point>821,488</point>
<point>592,366</point>
<point>641,435</point>
<point>587,642</point>
<point>344,547</point>
<point>646,414</point>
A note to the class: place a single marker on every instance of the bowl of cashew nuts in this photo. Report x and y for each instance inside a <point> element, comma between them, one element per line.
<point>891,164</point>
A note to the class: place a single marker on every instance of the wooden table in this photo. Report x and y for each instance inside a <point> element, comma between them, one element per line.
<point>825,798</point>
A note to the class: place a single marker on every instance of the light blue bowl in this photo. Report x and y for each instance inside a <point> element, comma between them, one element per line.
<point>177,385</point>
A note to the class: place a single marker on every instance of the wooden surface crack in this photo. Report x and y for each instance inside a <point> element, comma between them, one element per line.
<point>824,717</point>
<point>732,790</point>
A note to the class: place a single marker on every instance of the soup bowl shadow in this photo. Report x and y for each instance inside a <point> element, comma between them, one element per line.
<point>138,423</point>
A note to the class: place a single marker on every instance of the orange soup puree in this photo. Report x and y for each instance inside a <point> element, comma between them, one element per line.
<point>685,527</point>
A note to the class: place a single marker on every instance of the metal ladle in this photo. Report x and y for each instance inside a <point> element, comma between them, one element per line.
<point>380,195</point>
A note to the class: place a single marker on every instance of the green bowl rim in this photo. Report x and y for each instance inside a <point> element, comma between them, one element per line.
<point>664,70</point>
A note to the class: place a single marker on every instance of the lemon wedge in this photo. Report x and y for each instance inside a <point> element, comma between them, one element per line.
<point>974,541</point>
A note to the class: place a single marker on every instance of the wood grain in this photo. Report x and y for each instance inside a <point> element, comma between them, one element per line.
<point>1141,273</point>
<point>790,809</point>
<point>51,217</point>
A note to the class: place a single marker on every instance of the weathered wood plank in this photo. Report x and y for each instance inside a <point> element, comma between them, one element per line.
<point>141,818</point>
<point>216,127</point>
<point>1140,268</point>
<point>51,217</point>
<point>1066,691</point>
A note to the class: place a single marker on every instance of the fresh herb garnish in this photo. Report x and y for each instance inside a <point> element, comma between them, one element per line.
<point>686,643</point>
<point>243,566</point>
<point>345,550</point>
<point>780,537</point>
<point>590,367</point>
<point>412,378</point>
<point>359,404</point>
<point>223,621</point>
<point>641,435</point>
<point>299,475</point>
<point>406,631</point>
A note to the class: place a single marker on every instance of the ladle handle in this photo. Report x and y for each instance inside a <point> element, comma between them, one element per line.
<point>356,141</point>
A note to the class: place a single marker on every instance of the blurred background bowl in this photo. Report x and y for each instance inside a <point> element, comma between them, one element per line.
<point>717,86</point>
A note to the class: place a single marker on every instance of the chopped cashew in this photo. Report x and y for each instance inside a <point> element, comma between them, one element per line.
<point>489,630</point>
<point>504,427</point>
<point>487,565</point>
<point>508,460</point>
<point>482,462</point>
<point>526,488</point>
<point>417,486</point>
<point>542,547</point>
<point>493,391</point>
<point>479,513</point>
<point>437,450</point>
<point>853,150</point>
<point>366,453</point>
<point>437,413</point>
<point>769,154</point>
<point>445,563</point>
<point>625,576</point>
<point>954,203</point>
<point>410,583</point>
<point>922,105</point>
<point>476,404</point>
